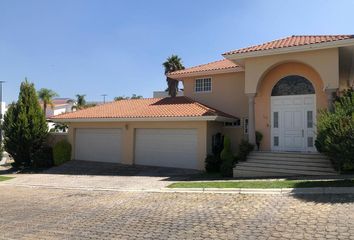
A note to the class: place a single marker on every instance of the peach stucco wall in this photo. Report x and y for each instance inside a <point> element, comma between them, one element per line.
<point>262,100</point>
<point>128,133</point>
<point>228,96</point>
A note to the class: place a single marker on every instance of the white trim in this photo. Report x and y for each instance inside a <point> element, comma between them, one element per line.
<point>149,119</point>
<point>310,47</point>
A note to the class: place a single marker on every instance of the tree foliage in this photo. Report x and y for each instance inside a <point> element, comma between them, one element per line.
<point>80,102</point>
<point>134,96</point>
<point>227,159</point>
<point>25,126</point>
<point>335,132</point>
<point>173,63</point>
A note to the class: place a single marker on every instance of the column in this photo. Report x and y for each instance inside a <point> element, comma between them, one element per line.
<point>251,119</point>
<point>330,97</point>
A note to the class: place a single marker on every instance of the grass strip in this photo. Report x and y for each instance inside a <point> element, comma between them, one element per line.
<point>265,184</point>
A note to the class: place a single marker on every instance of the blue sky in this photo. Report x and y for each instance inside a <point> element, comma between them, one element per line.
<point>117,47</point>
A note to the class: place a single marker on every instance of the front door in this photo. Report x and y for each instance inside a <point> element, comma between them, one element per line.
<point>292,123</point>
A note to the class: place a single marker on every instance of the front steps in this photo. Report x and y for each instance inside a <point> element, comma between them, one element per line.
<point>283,164</point>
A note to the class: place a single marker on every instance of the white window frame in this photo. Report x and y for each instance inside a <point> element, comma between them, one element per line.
<point>203,85</point>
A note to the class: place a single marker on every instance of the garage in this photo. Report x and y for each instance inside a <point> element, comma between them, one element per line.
<point>99,144</point>
<point>167,148</point>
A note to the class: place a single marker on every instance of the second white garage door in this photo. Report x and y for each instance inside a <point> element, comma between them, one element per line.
<point>167,148</point>
<point>99,145</point>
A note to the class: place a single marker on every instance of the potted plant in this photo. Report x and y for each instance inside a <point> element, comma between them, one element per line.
<point>259,137</point>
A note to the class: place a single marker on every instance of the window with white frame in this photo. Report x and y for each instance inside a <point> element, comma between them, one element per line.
<point>236,123</point>
<point>203,85</point>
<point>245,125</point>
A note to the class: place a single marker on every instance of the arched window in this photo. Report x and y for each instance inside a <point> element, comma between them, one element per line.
<point>293,85</point>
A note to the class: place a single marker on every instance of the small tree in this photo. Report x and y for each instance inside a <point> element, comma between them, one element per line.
<point>227,159</point>
<point>25,126</point>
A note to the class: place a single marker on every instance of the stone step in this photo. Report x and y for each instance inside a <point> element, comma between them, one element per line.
<point>281,167</point>
<point>276,171</point>
<point>287,154</point>
<point>290,159</point>
<point>292,163</point>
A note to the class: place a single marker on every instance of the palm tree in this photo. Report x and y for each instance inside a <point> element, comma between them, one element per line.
<point>173,63</point>
<point>80,102</point>
<point>46,96</point>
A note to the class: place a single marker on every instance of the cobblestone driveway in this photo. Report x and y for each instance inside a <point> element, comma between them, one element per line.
<point>37,213</point>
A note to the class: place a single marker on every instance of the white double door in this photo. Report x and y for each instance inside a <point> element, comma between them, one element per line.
<point>293,123</point>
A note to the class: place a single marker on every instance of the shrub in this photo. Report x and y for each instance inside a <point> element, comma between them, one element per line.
<point>259,137</point>
<point>212,163</point>
<point>335,133</point>
<point>61,152</point>
<point>244,149</point>
<point>25,127</point>
<point>44,158</point>
<point>227,159</point>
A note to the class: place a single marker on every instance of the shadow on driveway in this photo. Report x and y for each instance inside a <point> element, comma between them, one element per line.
<point>76,167</point>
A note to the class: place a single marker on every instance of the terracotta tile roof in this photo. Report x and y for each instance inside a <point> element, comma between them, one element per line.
<point>292,41</point>
<point>146,108</point>
<point>217,65</point>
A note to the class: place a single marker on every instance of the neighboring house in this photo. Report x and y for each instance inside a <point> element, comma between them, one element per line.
<point>275,88</point>
<point>162,94</point>
<point>60,106</point>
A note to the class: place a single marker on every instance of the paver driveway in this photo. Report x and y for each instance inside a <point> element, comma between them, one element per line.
<point>94,175</point>
<point>39,213</point>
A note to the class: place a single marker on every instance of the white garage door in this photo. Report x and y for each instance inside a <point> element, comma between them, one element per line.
<point>99,145</point>
<point>166,148</point>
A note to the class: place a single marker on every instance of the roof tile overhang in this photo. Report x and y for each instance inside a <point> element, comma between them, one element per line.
<point>217,67</point>
<point>150,109</point>
<point>291,44</point>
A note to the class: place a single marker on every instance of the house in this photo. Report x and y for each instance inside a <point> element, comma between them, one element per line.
<point>60,106</point>
<point>275,88</point>
<point>162,94</point>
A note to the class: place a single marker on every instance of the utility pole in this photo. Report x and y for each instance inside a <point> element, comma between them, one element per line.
<point>1,109</point>
<point>104,97</point>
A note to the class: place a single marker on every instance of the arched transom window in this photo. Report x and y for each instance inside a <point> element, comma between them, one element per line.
<point>293,85</point>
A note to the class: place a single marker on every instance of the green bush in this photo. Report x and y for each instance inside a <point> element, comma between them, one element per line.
<point>44,158</point>
<point>335,133</point>
<point>227,159</point>
<point>61,152</point>
<point>244,149</point>
<point>212,163</point>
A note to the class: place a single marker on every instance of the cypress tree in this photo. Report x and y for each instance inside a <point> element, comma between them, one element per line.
<point>25,127</point>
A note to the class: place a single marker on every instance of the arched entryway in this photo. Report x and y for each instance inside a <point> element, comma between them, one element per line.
<point>293,114</point>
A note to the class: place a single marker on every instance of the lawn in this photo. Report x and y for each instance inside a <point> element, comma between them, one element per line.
<point>2,178</point>
<point>265,184</point>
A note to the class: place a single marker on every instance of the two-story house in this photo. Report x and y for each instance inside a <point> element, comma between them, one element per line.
<point>275,88</point>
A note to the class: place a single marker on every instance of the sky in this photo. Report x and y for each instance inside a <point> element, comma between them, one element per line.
<point>117,48</point>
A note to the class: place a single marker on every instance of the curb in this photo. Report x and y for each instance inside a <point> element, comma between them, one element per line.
<point>282,191</point>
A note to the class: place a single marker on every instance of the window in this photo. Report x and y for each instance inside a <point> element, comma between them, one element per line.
<point>203,85</point>
<point>310,142</point>
<point>276,141</point>
<point>293,85</point>
<point>309,119</point>
<point>233,124</point>
<point>245,125</point>
<point>275,119</point>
